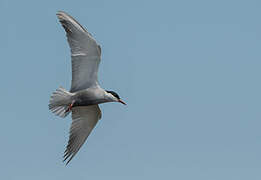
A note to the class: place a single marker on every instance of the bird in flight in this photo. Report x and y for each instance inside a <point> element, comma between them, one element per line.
<point>85,93</point>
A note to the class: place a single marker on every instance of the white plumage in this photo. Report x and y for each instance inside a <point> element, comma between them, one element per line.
<point>85,93</point>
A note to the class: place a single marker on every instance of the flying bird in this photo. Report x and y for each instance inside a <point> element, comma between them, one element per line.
<point>85,93</point>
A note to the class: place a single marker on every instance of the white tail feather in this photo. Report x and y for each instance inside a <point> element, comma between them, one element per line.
<point>60,101</point>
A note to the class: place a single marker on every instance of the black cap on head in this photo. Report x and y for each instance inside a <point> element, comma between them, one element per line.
<point>114,94</point>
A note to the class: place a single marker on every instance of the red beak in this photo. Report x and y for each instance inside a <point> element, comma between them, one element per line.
<point>121,101</point>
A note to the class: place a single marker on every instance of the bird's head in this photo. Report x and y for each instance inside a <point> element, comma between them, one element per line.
<point>114,97</point>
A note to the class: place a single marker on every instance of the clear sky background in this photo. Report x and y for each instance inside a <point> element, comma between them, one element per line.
<point>188,70</point>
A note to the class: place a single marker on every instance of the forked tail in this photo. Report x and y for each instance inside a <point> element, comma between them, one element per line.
<point>60,102</point>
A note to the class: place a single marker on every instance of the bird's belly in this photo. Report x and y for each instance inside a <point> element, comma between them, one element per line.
<point>88,102</point>
<point>84,103</point>
<point>87,98</point>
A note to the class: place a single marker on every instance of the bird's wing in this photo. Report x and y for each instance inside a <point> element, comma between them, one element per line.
<point>85,53</point>
<point>84,119</point>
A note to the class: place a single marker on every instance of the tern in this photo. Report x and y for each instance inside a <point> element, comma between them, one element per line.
<point>85,93</point>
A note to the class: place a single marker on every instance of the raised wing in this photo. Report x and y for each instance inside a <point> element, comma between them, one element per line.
<point>84,119</point>
<point>85,53</point>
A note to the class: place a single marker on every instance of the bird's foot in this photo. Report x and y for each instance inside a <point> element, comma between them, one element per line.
<point>70,107</point>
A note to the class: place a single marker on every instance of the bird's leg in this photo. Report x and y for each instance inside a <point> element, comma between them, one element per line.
<point>70,107</point>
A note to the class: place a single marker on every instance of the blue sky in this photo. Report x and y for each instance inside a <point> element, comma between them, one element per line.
<point>188,70</point>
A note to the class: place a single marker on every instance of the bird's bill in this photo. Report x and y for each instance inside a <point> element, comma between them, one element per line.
<point>121,101</point>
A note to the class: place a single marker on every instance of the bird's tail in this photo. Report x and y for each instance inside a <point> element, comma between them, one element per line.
<point>60,102</point>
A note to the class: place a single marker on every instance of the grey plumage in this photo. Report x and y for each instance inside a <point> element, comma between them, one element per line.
<point>85,93</point>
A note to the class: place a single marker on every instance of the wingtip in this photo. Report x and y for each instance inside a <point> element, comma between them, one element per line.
<point>61,15</point>
<point>60,12</point>
<point>67,161</point>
